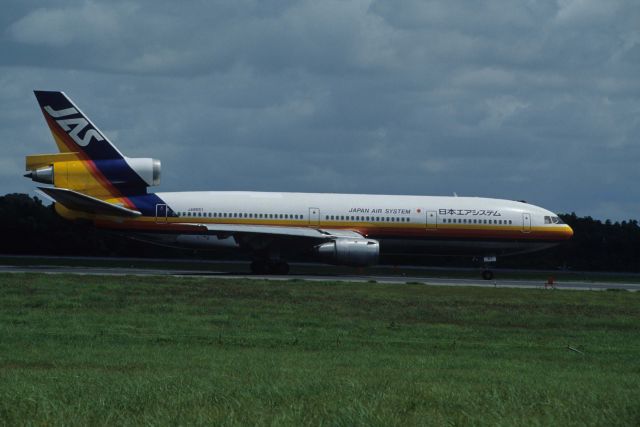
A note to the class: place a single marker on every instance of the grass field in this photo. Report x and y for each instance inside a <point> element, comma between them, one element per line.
<point>90,350</point>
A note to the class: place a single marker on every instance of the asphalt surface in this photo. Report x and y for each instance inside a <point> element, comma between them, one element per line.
<point>434,281</point>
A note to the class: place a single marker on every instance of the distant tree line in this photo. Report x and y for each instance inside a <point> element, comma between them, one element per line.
<point>28,227</point>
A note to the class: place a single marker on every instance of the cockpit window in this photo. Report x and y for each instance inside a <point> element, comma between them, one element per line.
<point>553,220</point>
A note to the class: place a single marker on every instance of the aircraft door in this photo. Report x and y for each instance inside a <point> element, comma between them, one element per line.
<point>432,220</point>
<point>526,222</point>
<point>161,214</point>
<point>314,217</point>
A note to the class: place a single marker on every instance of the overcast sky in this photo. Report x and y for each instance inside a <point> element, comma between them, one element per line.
<point>534,100</point>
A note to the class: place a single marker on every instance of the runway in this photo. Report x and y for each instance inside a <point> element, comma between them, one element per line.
<point>397,279</point>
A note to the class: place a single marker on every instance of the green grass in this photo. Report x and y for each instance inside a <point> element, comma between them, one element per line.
<point>90,350</point>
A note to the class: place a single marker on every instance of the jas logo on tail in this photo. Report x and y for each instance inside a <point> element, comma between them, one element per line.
<point>73,126</point>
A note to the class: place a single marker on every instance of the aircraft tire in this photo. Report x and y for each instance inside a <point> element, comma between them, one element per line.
<point>259,267</point>
<point>279,267</point>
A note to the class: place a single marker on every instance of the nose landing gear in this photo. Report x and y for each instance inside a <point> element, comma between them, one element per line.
<point>487,261</point>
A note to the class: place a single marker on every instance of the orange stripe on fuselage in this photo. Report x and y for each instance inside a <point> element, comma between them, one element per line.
<point>381,230</point>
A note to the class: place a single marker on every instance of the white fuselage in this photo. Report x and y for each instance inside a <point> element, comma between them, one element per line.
<point>402,224</point>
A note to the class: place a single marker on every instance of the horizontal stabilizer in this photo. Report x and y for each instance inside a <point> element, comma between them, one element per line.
<point>81,202</point>
<point>36,161</point>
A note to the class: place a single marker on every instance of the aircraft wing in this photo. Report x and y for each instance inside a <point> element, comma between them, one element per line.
<point>270,231</point>
<point>81,202</point>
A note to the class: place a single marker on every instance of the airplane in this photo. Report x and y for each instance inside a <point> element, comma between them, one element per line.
<point>90,180</point>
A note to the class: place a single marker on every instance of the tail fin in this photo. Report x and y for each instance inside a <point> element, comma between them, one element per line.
<point>88,162</point>
<point>72,129</point>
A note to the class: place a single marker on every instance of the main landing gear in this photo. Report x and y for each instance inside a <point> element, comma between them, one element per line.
<point>263,266</point>
<point>487,274</point>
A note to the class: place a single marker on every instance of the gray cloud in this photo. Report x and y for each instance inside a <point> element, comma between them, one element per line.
<point>536,100</point>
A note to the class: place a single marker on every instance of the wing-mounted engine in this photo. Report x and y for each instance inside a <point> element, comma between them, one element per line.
<point>68,170</point>
<point>350,251</point>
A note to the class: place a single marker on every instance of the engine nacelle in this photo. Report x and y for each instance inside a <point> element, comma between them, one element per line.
<point>351,252</point>
<point>148,169</point>
<point>78,174</point>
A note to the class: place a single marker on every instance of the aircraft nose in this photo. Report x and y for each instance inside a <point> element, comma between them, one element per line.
<point>569,231</point>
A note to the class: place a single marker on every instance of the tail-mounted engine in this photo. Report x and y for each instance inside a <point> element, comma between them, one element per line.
<point>66,170</point>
